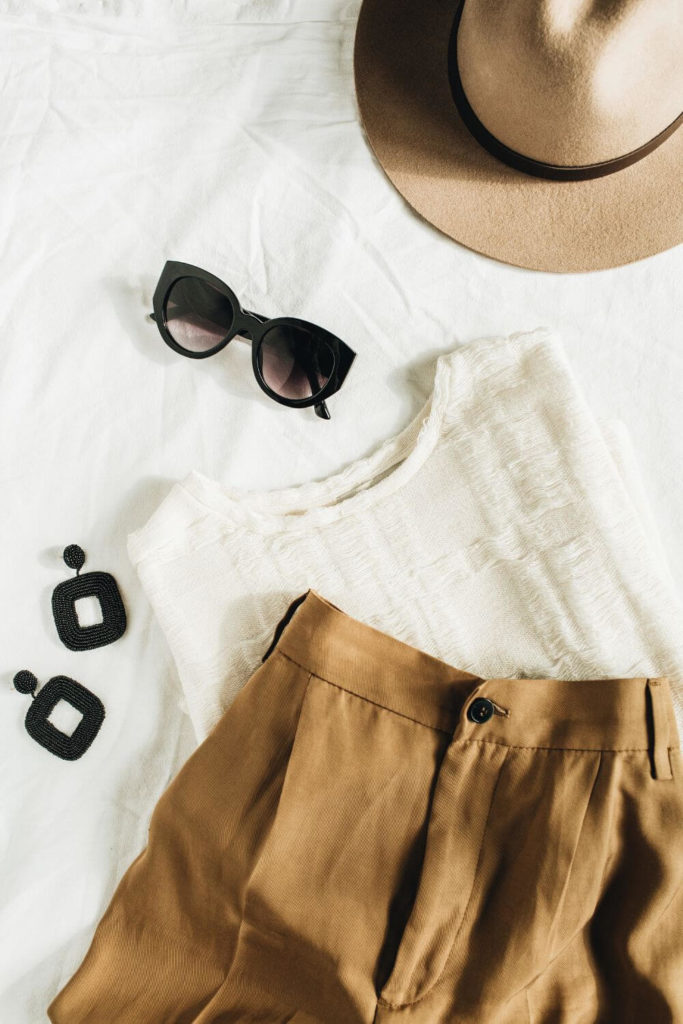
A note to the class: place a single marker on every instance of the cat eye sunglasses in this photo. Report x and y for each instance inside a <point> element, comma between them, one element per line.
<point>295,362</point>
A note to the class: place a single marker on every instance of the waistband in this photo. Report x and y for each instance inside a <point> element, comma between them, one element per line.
<point>631,714</point>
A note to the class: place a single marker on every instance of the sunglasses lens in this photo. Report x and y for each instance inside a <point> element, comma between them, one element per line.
<point>295,363</point>
<point>198,317</point>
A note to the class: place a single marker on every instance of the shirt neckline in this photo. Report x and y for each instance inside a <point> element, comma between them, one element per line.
<point>390,466</point>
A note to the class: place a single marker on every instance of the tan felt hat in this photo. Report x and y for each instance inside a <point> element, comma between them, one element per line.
<point>544,133</point>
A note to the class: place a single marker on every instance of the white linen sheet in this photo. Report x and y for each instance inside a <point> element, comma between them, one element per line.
<point>223,133</point>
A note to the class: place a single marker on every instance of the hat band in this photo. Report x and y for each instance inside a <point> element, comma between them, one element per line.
<point>539,169</point>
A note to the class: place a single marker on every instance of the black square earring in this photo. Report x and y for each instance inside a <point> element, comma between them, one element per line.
<point>91,584</point>
<point>38,726</point>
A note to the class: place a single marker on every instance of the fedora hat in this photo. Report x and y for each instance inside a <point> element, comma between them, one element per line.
<point>544,133</point>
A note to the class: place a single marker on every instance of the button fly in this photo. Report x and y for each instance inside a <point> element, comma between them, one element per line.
<point>480,710</point>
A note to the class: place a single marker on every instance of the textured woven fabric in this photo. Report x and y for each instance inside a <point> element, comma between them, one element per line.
<point>371,835</point>
<point>494,532</point>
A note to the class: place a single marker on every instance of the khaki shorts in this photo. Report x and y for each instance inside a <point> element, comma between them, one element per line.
<point>370,835</point>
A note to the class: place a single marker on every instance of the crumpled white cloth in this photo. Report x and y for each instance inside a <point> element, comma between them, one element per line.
<point>224,133</point>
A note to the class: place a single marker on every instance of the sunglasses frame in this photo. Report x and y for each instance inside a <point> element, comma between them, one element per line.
<point>254,328</point>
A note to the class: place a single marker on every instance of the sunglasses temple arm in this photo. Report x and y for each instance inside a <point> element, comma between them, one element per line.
<point>321,409</point>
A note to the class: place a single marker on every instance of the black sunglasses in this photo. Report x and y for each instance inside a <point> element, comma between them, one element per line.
<point>295,362</point>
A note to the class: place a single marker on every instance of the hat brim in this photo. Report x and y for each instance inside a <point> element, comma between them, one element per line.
<point>419,138</point>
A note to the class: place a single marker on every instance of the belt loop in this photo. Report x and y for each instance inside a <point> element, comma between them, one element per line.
<point>659,746</point>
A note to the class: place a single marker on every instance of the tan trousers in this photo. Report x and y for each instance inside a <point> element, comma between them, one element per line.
<point>370,835</point>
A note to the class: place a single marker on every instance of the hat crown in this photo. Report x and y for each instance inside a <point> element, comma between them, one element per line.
<point>572,82</point>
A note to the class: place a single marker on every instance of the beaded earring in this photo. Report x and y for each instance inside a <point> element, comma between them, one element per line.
<point>91,584</point>
<point>38,726</point>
